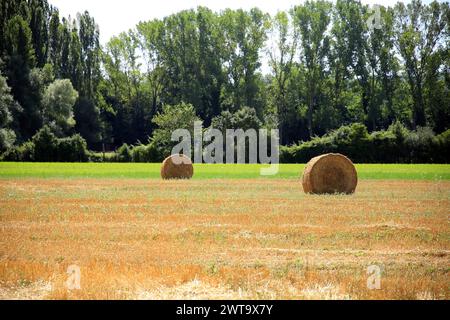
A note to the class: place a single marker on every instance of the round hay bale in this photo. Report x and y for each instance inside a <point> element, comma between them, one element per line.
<point>330,173</point>
<point>177,166</point>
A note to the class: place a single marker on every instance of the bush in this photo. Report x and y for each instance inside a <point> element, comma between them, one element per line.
<point>422,145</point>
<point>395,145</point>
<point>123,154</point>
<point>139,153</point>
<point>153,153</point>
<point>383,147</point>
<point>95,157</point>
<point>146,153</point>
<point>12,154</point>
<point>102,157</point>
<point>349,140</point>
<point>45,145</point>
<point>7,138</point>
<point>72,149</point>
<point>24,153</point>
<point>443,142</point>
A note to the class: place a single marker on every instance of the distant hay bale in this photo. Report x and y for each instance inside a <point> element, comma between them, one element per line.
<point>330,173</point>
<point>177,166</point>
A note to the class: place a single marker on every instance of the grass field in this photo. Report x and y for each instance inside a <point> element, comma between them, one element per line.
<point>227,234</point>
<point>203,171</point>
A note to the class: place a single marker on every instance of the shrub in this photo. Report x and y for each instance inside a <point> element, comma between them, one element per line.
<point>246,118</point>
<point>12,154</point>
<point>24,152</point>
<point>443,142</point>
<point>45,145</point>
<point>72,149</point>
<point>422,145</point>
<point>395,145</point>
<point>95,157</point>
<point>123,154</point>
<point>139,153</point>
<point>102,157</point>
<point>7,138</point>
<point>383,147</point>
<point>145,153</point>
<point>152,152</point>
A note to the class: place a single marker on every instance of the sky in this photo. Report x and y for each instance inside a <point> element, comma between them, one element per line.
<point>115,16</point>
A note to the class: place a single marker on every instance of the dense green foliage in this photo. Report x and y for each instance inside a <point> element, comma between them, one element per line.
<point>170,119</point>
<point>37,46</point>
<point>310,72</point>
<point>46,147</point>
<point>58,101</point>
<point>7,106</point>
<point>395,145</point>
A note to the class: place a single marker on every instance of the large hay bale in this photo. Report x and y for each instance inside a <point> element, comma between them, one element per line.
<point>330,173</point>
<point>177,166</point>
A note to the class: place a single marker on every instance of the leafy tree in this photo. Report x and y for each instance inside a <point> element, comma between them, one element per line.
<point>281,59</point>
<point>312,20</point>
<point>211,76</point>
<point>87,120</point>
<point>223,121</point>
<point>45,145</point>
<point>71,65</point>
<point>384,71</point>
<point>90,54</point>
<point>58,101</point>
<point>190,49</point>
<point>149,35</point>
<point>20,60</point>
<point>245,118</point>
<point>39,15</point>
<point>7,105</point>
<point>171,118</point>
<point>244,37</point>
<point>54,39</point>
<point>126,92</point>
<point>419,34</point>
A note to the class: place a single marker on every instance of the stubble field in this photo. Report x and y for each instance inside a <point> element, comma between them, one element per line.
<point>237,238</point>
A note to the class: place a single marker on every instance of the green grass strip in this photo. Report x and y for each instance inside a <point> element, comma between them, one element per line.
<point>205,171</point>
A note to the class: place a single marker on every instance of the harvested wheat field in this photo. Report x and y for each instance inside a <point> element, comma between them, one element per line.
<point>222,239</point>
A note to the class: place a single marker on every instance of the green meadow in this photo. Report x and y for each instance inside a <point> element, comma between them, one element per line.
<point>207,171</point>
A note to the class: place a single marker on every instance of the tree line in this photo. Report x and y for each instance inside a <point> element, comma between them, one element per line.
<point>306,72</point>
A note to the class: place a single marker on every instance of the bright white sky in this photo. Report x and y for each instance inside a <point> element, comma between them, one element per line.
<point>115,16</point>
